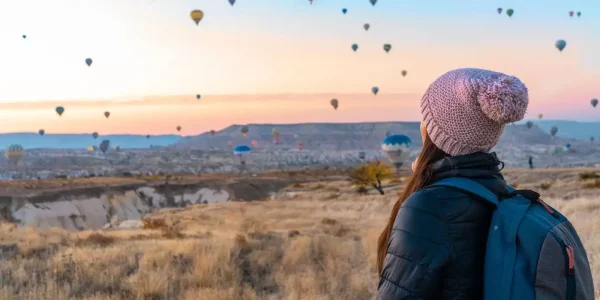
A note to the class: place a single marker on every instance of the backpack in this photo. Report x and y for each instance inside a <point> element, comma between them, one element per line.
<point>533,251</point>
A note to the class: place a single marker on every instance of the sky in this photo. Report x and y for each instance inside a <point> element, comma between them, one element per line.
<point>266,61</point>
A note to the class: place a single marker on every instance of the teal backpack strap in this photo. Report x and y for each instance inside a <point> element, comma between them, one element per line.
<point>469,186</point>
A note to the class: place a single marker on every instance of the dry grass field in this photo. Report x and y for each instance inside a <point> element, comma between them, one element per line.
<point>312,241</point>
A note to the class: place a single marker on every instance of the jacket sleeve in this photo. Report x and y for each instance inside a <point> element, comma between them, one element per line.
<point>418,250</point>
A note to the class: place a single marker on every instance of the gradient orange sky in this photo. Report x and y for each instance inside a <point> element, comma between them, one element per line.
<point>267,61</point>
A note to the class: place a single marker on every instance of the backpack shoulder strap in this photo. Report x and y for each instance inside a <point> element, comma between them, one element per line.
<point>469,186</point>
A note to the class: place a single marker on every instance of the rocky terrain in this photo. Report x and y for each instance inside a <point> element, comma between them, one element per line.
<point>312,239</point>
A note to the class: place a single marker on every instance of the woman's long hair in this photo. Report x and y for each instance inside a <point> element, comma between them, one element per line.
<point>420,178</point>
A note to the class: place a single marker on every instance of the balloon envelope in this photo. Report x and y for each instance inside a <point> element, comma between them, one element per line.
<point>571,13</point>
<point>354,47</point>
<point>42,132</point>
<point>499,10</point>
<point>107,114</point>
<point>375,90</point>
<point>14,153</point>
<point>529,124</point>
<point>178,128</point>
<point>241,151</point>
<point>60,110</point>
<point>104,145</point>
<point>344,10</point>
<point>594,102</point>
<point>373,2</point>
<point>396,148</point>
<point>95,135</point>
<point>198,96</point>
<point>366,26</point>
<point>387,47</point>
<point>404,72</point>
<point>560,45</point>
<point>197,15</point>
<point>553,130</point>
<point>24,36</point>
<point>88,61</point>
<point>510,12</point>
<point>232,2</point>
<point>578,14</point>
<point>334,103</point>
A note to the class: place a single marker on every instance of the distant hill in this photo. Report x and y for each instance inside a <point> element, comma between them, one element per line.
<point>570,129</point>
<point>78,141</point>
<point>346,136</point>
<point>332,136</point>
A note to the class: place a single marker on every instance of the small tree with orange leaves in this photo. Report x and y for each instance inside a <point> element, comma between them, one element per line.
<point>372,174</point>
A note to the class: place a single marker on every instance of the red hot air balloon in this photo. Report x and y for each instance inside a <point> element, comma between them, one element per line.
<point>212,133</point>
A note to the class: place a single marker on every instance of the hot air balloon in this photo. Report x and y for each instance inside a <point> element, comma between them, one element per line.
<point>24,36</point>
<point>578,14</point>
<point>354,47</point>
<point>560,45</point>
<point>147,136</point>
<point>60,110</point>
<point>344,11</point>
<point>540,116</point>
<point>375,90</point>
<point>594,102</point>
<point>529,124</point>
<point>244,130</point>
<point>499,10</point>
<point>117,148</point>
<point>568,145</point>
<point>366,26</point>
<point>591,139</point>
<point>373,2</point>
<point>300,145</point>
<point>104,145</point>
<point>362,155</point>
<point>404,72</point>
<point>275,136</point>
<point>232,2</point>
<point>88,62</point>
<point>197,15</point>
<point>334,103</point>
<point>241,151</point>
<point>198,96</point>
<point>91,148</point>
<point>95,135</point>
<point>396,148</point>
<point>510,12</point>
<point>310,1</point>
<point>14,153</point>
<point>571,13</point>
<point>553,130</point>
<point>107,114</point>
<point>42,132</point>
<point>212,133</point>
<point>387,47</point>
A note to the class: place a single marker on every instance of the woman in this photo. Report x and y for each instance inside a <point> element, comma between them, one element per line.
<point>433,246</point>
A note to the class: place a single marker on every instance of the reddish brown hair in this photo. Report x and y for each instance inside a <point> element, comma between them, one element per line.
<point>420,178</point>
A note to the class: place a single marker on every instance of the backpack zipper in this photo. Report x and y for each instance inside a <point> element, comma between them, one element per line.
<point>570,253</point>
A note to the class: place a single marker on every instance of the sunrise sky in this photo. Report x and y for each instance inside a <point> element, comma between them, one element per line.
<point>267,61</point>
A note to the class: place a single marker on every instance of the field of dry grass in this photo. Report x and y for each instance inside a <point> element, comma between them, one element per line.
<point>313,241</point>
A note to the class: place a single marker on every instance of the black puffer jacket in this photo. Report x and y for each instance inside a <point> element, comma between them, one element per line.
<point>437,246</point>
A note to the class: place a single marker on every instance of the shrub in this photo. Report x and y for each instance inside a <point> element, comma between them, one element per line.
<point>545,186</point>
<point>588,175</point>
<point>592,185</point>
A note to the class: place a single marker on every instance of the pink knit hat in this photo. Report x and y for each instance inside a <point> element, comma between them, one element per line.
<point>465,110</point>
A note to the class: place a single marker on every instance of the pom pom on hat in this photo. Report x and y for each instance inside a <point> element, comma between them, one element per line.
<point>503,98</point>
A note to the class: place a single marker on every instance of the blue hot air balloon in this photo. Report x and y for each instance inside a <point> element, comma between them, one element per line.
<point>24,36</point>
<point>560,45</point>
<point>344,10</point>
<point>375,90</point>
<point>396,147</point>
<point>241,151</point>
<point>568,145</point>
<point>88,61</point>
<point>354,47</point>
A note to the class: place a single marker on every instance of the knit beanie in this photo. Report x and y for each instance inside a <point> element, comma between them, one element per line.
<point>465,110</point>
